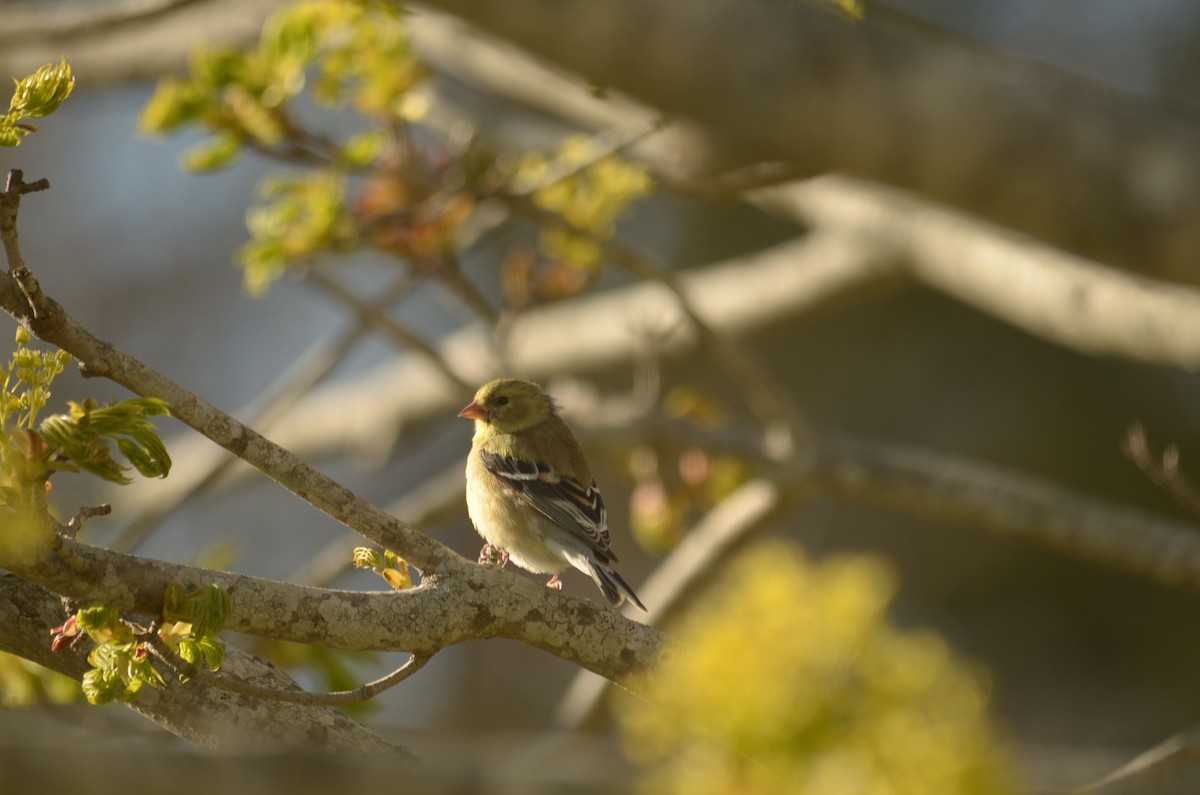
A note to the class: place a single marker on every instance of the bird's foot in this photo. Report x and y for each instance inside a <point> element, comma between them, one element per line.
<point>555,583</point>
<point>493,556</point>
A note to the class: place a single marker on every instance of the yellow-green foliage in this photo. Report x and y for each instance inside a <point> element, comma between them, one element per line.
<point>354,53</point>
<point>592,195</point>
<point>790,679</point>
<point>299,217</point>
<point>352,58</point>
<point>851,8</point>
<point>34,97</point>
<point>25,684</point>
<point>81,440</point>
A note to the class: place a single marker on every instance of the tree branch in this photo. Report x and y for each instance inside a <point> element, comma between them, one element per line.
<point>1071,301</point>
<point>480,604</point>
<point>958,491</point>
<point>458,600</point>
<point>1052,294</point>
<point>197,712</point>
<point>796,83</point>
<point>52,324</point>
<point>230,684</point>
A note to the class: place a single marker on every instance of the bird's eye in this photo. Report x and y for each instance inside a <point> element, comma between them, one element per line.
<point>502,401</point>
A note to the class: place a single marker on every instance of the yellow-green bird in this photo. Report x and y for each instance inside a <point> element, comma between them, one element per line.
<point>530,492</point>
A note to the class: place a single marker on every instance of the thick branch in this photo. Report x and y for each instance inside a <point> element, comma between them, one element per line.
<point>1054,295</point>
<point>478,604</point>
<point>199,713</point>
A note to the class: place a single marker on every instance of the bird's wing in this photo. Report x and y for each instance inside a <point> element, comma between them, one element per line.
<point>563,500</point>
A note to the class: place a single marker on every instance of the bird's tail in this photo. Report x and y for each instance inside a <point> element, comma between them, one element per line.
<point>615,589</point>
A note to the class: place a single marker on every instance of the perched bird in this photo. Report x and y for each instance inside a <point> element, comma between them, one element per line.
<point>530,493</point>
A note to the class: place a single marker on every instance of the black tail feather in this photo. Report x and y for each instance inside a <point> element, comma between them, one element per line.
<point>613,585</point>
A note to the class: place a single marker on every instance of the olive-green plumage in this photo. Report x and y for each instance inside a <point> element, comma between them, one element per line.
<point>530,492</point>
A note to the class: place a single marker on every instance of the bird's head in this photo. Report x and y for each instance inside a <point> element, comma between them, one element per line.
<point>509,405</point>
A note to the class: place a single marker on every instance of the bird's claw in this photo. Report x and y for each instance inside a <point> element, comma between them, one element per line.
<point>493,556</point>
<point>555,583</point>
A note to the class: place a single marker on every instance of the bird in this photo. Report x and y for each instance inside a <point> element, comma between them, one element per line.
<point>530,492</point>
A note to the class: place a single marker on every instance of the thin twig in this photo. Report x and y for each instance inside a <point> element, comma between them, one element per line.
<point>449,272</point>
<point>186,670</point>
<point>375,316</point>
<point>1151,767</point>
<point>1164,471</point>
<point>83,514</point>
<point>10,202</point>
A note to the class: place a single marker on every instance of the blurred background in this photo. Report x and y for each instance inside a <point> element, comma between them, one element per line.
<point>1086,666</point>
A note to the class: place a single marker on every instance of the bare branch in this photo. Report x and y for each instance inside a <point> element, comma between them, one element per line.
<point>968,494</point>
<point>1055,295</point>
<point>377,318</point>
<point>586,335</point>
<point>231,684</point>
<point>1164,471</point>
<point>205,465</point>
<point>1149,770</point>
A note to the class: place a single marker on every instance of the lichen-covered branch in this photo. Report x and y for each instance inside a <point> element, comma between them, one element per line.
<point>199,713</point>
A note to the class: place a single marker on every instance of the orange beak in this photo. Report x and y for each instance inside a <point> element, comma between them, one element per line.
<point>474,411</point>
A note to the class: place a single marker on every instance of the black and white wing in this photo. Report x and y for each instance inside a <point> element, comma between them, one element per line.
<point>572,505</point>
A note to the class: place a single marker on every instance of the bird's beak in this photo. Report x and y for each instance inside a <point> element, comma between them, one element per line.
<point>474,411</point>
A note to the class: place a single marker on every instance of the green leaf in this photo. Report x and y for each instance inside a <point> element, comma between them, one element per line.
<point>210,608</point>
<point>83,437</point>
<point>214,653</point>
<point>10,133</point>
<point>42,92</point>
<point>221,151</point>
<point>363,148</point>
<point>101,623</point>
<point>176,604</point>
<point>175,103</point>
<point>100,687</point>
<point>189,650</point>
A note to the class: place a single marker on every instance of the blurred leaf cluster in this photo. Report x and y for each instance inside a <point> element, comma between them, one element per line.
<point>352,53</point>
<point>27,684</point>
<point>35,96</point>
<point>388,182</point>
<point>589,191</point>
<point>675,484</point>
<point>301,216</point>
<point>789,678</point>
